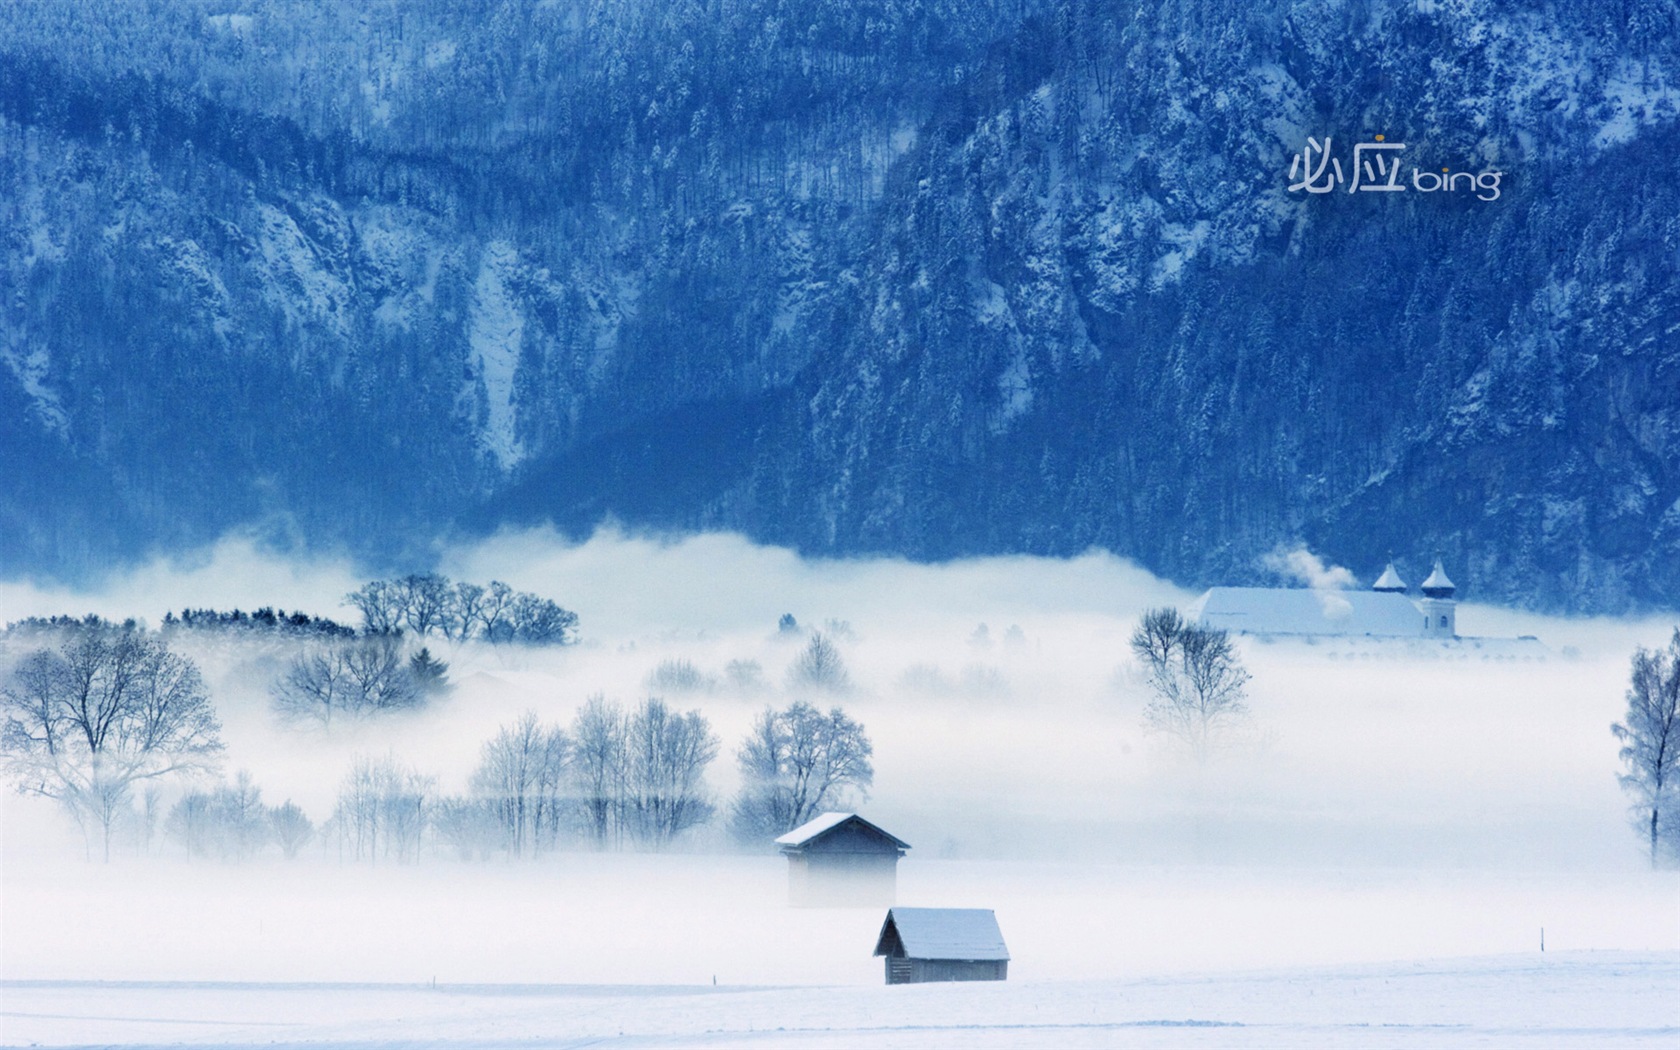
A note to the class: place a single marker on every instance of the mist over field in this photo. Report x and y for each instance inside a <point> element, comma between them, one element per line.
<point>1377,807</point>
<point>1001,695</point>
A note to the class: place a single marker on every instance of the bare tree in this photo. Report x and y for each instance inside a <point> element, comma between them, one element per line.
<point>678,675</point>
<point>819,666</point>
<point>379,676</point>
<point>1650,736</point>
<point>192,823</point>
<point>315,685</point>
<point>381,605</point>
<point>796,763</point>
<point>745,676</point>
<point>426,598</point>
<point>466,602</point>
<point>539,621</point>
<point>351,677</point>
<point>466,825</point>
<point>493,611</point>
<point>244,817</point>
<point>1196,679</point>
<point>150,816</point>
<point>109,708</point>
<point>666,759</point>
<point>291,827</point>
<point>403,807</point>
<point>1155,641</point>
<point>229,821</point>
<point>598,751</point>
<point>521,779</point>
<point>381,810</point>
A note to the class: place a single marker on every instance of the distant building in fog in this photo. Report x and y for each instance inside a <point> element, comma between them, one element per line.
<point>840,859</point>
<point>942,944</point>
<point>1384,611</point>
<point>1387,616</point>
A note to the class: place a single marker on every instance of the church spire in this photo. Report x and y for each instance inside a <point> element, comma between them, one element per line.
<point>1390,582</point>
<point>1437,585</point>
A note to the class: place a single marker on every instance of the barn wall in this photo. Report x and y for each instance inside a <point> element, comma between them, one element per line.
<point>924,971</point>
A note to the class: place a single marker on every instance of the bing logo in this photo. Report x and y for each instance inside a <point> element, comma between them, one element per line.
<point>1376,169</point>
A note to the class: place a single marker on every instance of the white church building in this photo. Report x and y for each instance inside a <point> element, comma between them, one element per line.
<point>1384,611</point>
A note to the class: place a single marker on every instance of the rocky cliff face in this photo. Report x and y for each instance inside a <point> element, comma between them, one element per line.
<point>927,278</point>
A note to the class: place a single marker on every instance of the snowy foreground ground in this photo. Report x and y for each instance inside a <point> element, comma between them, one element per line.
<point>1610,999</point>
<point>586,950</point>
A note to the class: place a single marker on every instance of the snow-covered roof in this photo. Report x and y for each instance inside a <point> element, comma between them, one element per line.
<point>944,933</point>
<point>1390,581</point>
<point>1438,582</point>
<point>823,823</point>
<point>1278,610</point>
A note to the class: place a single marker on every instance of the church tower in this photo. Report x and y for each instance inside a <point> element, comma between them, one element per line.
<point>1440,610</point>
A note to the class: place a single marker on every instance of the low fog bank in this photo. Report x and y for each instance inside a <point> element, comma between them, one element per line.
<point>633,586</point>
<point>1000,695</point>
<point>685,919</point>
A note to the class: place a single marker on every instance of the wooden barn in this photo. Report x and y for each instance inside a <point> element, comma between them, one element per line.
<point>840,859</point>
<point>942,944</point>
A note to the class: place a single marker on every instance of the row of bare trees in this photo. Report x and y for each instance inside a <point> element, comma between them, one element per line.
<point>350,677</point>
<point>427,603</point>
<point>819,668</point>
<point>230,822</point>
<point>110,709</point>
<point>612,779</point>
<point>615,778</point>
<point>382,812</point>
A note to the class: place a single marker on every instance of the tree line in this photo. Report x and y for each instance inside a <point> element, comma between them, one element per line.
<point>101,716</point>
<point>611,779</point>
<point>265,619</point>
<point>230,822</point>
<point>428,603</point>
<point>105,715</point>
<point>353,677</point>
<point>616,778</point>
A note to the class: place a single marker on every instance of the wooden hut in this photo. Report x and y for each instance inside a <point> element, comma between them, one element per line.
<point>840,859</point>
<point>942,944</point>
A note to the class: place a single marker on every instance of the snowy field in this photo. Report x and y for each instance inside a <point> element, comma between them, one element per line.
<point>1591,999</point>
<point>1371,864</point>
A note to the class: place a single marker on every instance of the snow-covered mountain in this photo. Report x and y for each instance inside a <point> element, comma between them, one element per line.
<point>930,278</point>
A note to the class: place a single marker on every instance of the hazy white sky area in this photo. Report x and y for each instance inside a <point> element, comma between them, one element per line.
<point>1382,805</point>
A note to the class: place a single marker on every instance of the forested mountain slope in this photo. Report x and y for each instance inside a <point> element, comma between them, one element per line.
<point>929,278</point>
